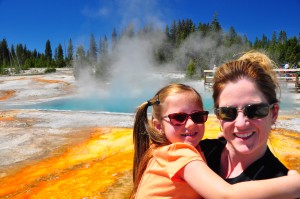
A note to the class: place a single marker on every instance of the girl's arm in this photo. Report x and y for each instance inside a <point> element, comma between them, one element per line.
<point>209,185</point>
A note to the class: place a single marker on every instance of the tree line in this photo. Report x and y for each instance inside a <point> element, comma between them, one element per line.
<point>179,35</point>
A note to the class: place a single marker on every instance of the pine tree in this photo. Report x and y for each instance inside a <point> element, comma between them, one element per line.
<point>93,50</point>
<point>114,39</point>
<point>191,69</point>
<point>282,37</point>
<point>60,62</point>
<point>70,53</point>
<point>173,31</point>
<point>105,46</point>
<point>80,55</point>
<point>215,25</point>
<point>4,53</point>
<point>48,50</point>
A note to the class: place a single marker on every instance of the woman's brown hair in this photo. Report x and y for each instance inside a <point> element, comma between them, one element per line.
<point>254,66</point>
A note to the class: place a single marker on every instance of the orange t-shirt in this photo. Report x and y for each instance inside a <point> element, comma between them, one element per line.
<point>161,179</point>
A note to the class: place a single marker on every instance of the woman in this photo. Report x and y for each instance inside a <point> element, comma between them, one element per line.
<point>247,107</point>
<point>167,158</point>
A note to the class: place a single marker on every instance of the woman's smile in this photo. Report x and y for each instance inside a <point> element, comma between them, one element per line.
<point>244,135</point>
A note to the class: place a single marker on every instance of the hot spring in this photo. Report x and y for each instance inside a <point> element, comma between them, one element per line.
<point>126,100</point>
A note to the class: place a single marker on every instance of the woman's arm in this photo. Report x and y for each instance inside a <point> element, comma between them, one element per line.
<point>209,185</point>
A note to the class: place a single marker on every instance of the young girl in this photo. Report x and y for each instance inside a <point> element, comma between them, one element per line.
<point>168,161</point>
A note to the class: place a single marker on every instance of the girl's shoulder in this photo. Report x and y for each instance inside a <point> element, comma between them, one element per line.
<point>178,146</point>
<point>174,157</point>
<point>177,151</point>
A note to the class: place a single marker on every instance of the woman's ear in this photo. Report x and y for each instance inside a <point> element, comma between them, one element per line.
<point>275,111</point>
<point>220,123</point>
<point>157,124</point>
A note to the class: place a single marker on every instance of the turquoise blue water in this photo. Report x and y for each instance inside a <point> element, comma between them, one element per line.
<point>117,104</point>
<point>126,104</point>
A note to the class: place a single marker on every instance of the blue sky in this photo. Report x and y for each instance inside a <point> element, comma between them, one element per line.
<point>33,22</point>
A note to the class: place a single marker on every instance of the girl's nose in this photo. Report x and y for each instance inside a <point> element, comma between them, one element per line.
<point>189,122</point>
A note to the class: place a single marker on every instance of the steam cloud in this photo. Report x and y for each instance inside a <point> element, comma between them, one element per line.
<point>134,71</point>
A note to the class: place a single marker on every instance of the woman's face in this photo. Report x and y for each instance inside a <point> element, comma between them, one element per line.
<point>246,136</point>
<point>190,132</point>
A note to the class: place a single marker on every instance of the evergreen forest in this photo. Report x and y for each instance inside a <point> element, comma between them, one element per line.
<point>184,45</point>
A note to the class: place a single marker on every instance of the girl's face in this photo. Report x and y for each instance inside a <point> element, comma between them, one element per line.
<point>244,135</point>
<point>190,132</point>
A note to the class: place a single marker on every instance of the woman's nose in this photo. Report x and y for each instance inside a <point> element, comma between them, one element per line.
<point>241,119</point>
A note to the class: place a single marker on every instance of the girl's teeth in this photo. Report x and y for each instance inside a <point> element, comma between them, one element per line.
<point>189,134</point>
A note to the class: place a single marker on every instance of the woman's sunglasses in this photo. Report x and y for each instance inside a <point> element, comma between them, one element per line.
<point>252,111</point>
<point>178,119</point>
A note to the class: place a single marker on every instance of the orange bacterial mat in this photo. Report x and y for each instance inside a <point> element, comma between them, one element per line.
<point>100,166</point>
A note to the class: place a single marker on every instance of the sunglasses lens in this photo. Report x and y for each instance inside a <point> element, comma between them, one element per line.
<point>252,111</point>
<point>255,111</point>
<point>178,118</point>
<point>227,113</point>
<point>199,117</point>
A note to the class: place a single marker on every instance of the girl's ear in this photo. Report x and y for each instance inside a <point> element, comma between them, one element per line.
<point>157,124</point>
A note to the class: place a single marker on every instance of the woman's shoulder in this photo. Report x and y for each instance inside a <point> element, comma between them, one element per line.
<point>266,167</point>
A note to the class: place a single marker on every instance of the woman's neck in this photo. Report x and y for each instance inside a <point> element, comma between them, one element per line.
<point>234,163</point>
